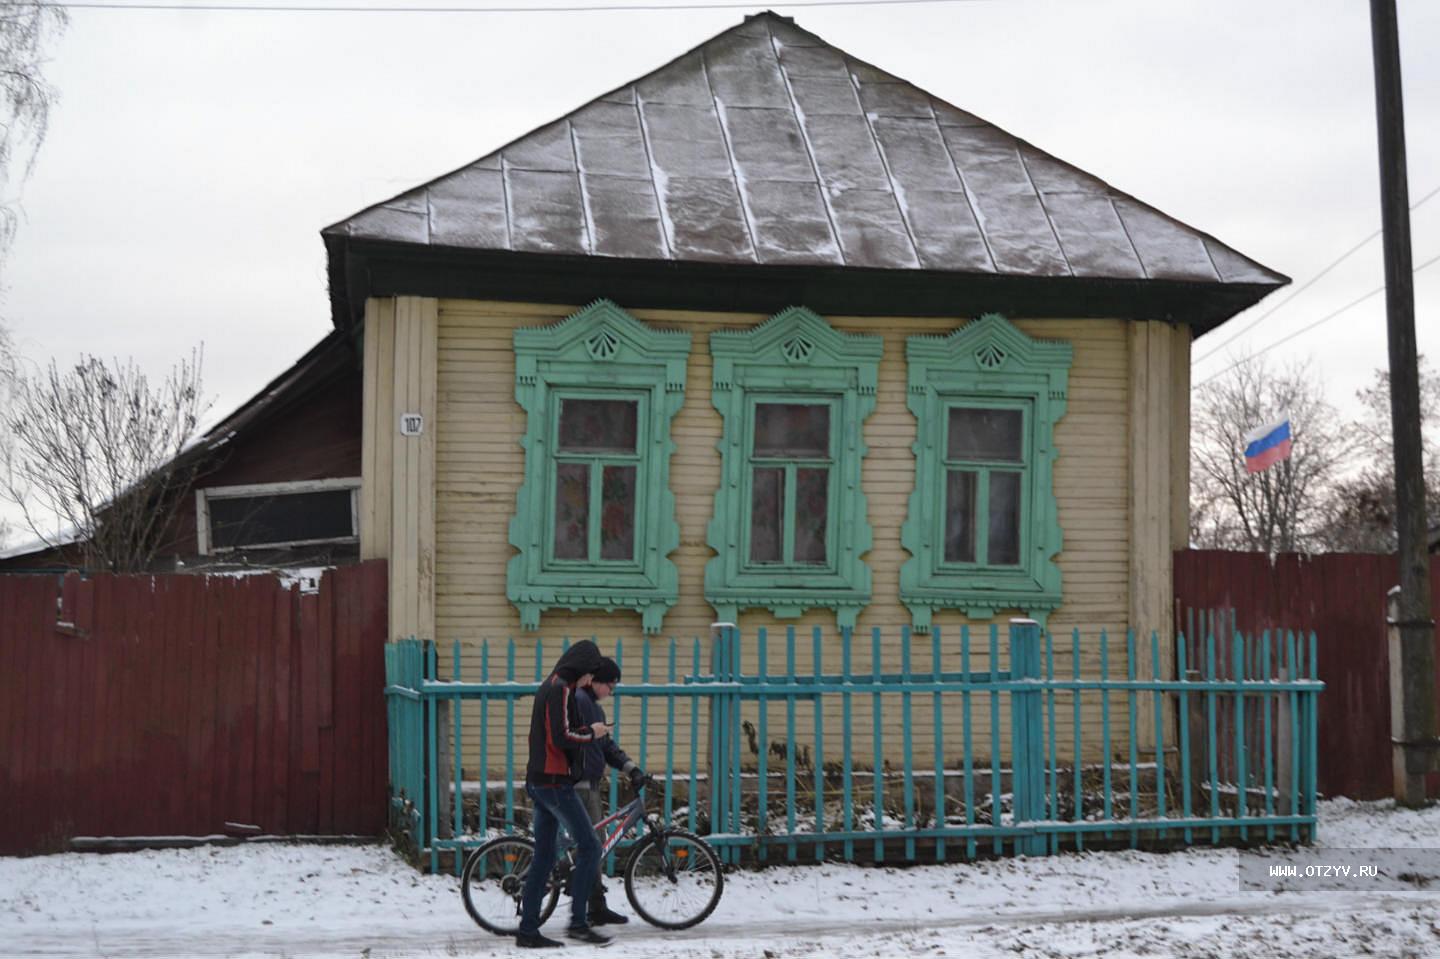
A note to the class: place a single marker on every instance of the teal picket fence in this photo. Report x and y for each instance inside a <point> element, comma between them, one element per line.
<point>811,764</point>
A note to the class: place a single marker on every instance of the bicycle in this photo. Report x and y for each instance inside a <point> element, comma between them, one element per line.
<point>669,867</point>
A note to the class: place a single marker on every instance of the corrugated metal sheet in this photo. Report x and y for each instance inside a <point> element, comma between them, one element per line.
<point>767,145</point>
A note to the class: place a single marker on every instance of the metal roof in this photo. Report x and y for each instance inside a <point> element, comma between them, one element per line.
<point>766,145</point>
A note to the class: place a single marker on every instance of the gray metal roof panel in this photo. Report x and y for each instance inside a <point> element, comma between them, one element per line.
<point>744,72</point>
<point>790,222</point>
<point>624,217</point>
<point>766,145</point>
<point>704,221</point>
<point>609,141</point>
<point>947,235</point>
<point>872,231</point>
<point>846,153</point>
<point>469,209</point>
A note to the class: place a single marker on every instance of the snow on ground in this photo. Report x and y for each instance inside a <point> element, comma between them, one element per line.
<point>273,899</point>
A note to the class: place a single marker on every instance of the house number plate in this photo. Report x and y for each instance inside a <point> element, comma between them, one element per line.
<point>411,424</point>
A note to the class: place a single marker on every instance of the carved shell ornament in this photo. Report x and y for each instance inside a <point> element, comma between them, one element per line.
<point>602,344</point>
<point>797,349</point>
<point>990,357</point>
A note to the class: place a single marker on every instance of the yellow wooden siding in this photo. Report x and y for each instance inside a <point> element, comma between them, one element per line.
<point>478,471</point>
<point>1180,439</point>
<point>397,491</point>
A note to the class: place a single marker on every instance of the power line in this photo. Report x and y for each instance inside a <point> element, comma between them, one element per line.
<point>598,8</point>
<point>1311,282</point>
<point>1305,329</point>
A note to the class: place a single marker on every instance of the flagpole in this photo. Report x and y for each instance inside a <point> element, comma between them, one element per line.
<point>1412,632</point>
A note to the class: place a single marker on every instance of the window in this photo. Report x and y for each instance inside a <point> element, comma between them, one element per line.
<point>790,468</point>
<point>984,475</point>
<point>276,515</point>
<point>595,518</point>
<point>983,526</point>
<point>597,460</point>
<point>790,525</point>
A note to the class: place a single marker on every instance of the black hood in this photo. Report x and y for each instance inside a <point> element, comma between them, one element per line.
<point>582,658</point>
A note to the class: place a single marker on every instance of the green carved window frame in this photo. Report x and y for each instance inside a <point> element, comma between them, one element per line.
<point>988,369</point>
<point>794,359</point>
<point>599,355</point>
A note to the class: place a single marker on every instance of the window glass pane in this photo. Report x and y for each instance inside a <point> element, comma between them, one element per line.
<point>283,518</point>
<point>812,491</point>
<point>792,430</point>
<point>1004,519</point>
<point>617,513</point>
<point>977,434</point>
<point>598,426</point>
<point>572,511</point>
<point>959,517</point>
<point>767,506</point>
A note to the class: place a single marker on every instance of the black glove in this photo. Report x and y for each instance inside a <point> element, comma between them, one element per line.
<point>638,779</point>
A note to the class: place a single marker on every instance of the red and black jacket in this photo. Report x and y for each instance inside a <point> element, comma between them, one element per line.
<point>558,732</point>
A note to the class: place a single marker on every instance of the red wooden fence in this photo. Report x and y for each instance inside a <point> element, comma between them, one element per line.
<point>175,705</point>
<point>1341,596</point>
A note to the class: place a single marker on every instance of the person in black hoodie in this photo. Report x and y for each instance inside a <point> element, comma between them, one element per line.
<point>558,734</point>
<point>598,755</point>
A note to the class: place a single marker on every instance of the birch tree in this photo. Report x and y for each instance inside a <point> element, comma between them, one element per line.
<point>26,97</point>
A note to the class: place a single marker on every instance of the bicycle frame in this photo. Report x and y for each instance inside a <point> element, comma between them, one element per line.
<point>623,820</point>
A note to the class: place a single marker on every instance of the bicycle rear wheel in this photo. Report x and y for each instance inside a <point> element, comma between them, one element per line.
<point>493,881</point>
<point>673,879</point>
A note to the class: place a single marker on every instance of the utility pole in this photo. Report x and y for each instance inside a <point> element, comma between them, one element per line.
<point>1412,631</point>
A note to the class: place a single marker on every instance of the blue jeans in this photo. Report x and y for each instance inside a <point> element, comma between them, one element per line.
<point>556,806</point>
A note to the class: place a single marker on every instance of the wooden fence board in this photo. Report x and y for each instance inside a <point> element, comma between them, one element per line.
<point>325,650</point>
<point>348,752</point>
<point>1342,598</point>
<point>370,586</point>
<point>178,703</point>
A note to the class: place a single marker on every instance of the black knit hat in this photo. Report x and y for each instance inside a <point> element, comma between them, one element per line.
<point>607,672</point>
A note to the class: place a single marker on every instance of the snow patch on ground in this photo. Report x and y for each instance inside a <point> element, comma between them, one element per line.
<point>273,899</point>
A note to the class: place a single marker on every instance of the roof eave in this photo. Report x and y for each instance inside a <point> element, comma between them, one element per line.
<point>361,268</point>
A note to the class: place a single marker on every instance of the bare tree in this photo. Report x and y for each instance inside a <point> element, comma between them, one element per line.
<point>26,30</point>
<point>101,454</point>
<point>1362,508</point>
<point>1283,508</point>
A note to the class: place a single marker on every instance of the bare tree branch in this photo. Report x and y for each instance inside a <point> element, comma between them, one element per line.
<point>26,30</point>
<point>1282,509</point>
<point>99,451</point>
<point>1362,506</point>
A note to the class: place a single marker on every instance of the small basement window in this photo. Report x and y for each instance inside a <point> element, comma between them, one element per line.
<point>277,515</point>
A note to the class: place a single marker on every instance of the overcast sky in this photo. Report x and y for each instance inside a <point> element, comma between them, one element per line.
<point>195,156</point>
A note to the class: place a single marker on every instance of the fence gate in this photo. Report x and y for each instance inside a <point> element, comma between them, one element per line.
<point>778,749</point>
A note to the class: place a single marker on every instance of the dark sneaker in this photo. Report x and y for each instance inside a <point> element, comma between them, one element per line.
<point>586,934</point>
<point>537,941</point>
<point>607,917</point>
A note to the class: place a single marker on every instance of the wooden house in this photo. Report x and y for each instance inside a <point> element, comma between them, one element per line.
<point>772,336</point>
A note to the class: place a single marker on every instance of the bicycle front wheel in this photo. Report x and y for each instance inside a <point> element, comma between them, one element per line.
<point>493,881</point>
<point>673,879</point>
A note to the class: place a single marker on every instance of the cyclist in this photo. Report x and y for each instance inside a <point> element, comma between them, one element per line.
<point>597,755</point>
<point>557,737</point>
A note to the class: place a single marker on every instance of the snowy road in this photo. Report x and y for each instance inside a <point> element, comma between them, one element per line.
<point>278,900</point>
<point>1388,926</point>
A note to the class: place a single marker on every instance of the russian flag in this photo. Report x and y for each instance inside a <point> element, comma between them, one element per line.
<point>1267,445</point>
